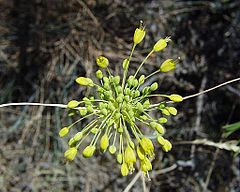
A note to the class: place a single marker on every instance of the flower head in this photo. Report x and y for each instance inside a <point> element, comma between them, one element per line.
<point>116,110</point>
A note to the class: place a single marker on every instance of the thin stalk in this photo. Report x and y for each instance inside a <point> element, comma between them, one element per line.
<point>150,53</point>
<point>126,71</point>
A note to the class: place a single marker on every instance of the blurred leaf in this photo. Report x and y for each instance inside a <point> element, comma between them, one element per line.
<point>230,129</point>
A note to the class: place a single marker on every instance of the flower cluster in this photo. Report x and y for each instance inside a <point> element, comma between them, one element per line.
<point>120,107</point>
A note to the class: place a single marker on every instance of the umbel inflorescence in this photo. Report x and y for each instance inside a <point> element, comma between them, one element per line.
<point>122,104</point>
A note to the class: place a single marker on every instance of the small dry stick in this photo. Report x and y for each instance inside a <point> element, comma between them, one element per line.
<point>65,106</point>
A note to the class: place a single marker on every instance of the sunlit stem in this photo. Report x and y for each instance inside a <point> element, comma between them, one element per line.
<point>126,131</point>
<point>150,53</point>
<point>126,71</point>
<point>99,129</point>
<point>70,126</point>
<point>154,73</point>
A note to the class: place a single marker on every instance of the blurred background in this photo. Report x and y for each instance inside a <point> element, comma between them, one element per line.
<point>46,44</point>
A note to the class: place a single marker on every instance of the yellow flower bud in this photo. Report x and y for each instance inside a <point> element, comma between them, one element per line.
<point>102,62</point>
<point>125,63</point>
<point>64,131</point>
<point>112,149</point>
<point>78,136</point>
<point>140,152</point>
<point>162,120</point>
<point>70,153</point>
<point>104,142</point>
<point>145,165</point>
<point>161,140</point>
<point>176,98</point>
<point>119,158</point>
<point>89,151</point>
<point>72,142</point>
<point>138,35</point>
<point>167,146</point>
<point>124,169</point>
<point>129,155</point>
<point>73,104</point>
<point>99,74</point>
<point>160,129</point>
<point>161,44</point>
<point>147,145</point>
<point>168,65</point>
<point>84,81</point>
<point>83,111</point>
<point>172,110</point>
<point>165,112</point>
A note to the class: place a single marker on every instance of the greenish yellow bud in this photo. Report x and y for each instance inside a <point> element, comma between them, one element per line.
<point>165,112</point>
<point>78,136</point>
<point>70,153</point>
<point>119,158</point>
<point>145,165</point>
<point>124,169</point>
<point>136,93</point>
<point>159,128</point>
<point>140,107</point>
<point>120,98</point>
<point>99,74</point>
<point>135,83</point>
<point>111,106</point>
<point>117,116</point>
<point>105,80</point>
<point>161,140</point>
<point>130,80</point>
<point>73,104</point>
<point>89,151</point>
<point>72,142</point>
<point>141,79</point>
<point>167,146</point>
<point>138,35</point>
<point>125,64</point>
<point>112,149</point>
<point>90,109</point>
<point>168,65</point>
<point>127,91</point>
<point>147,145</point>
<point>154,86</point>
<point>129,155</point>
<point>162,106</point>
<point>85,81</point>
<point>83,111</point>
<point>161,44</point>
<point>119,89</point>
<point>116,80</point>
<point>176,98</point>
<point>104,142</point>
<point>146,104</point>
<point>63,132</point>
<point>140,152</point>
<point>102,62</point>
<point>162,120</point>
<point>127,98</point>
<point>94,130</point>
<point>104,111</point>
<point>172,110</point>
<point>144,117</point>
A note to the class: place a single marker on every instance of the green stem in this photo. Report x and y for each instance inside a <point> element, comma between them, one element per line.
<point>154,73</point>
<point>126,71</point>
<point>150,53</point>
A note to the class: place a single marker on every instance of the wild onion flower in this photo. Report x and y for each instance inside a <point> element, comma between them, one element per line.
<point>119,107</point>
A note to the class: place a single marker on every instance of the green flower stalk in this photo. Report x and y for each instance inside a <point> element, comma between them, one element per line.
<point>118,108</point>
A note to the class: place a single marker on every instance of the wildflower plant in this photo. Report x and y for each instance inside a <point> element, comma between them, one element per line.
<point>120,107</point>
